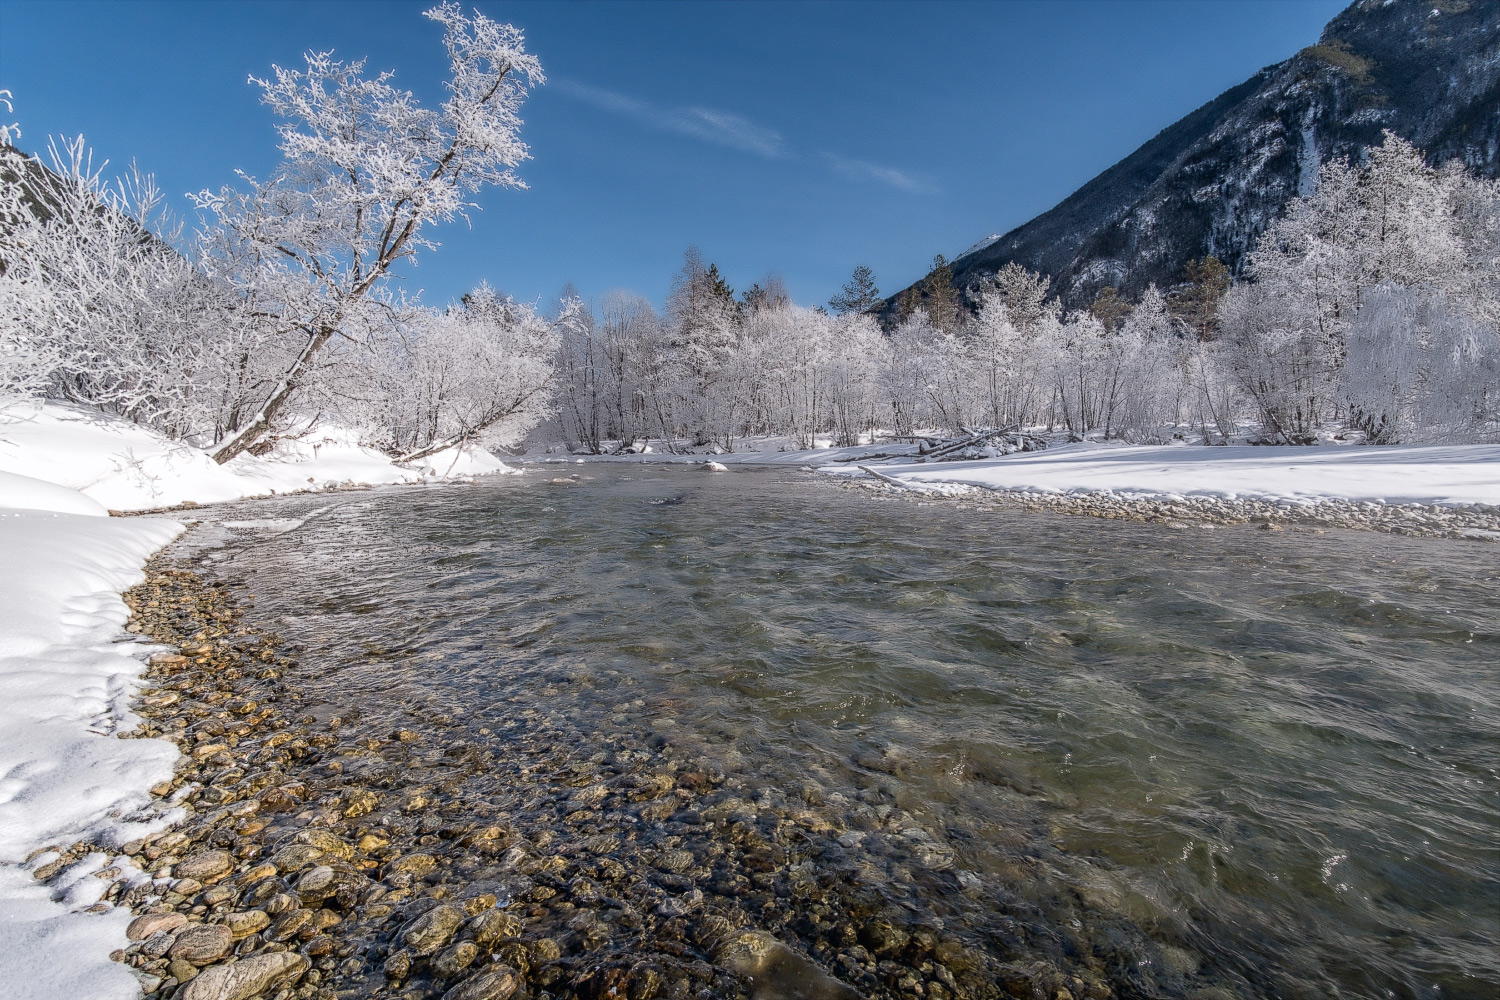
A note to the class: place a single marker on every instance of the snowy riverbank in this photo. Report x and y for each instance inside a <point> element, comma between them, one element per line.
<point>68,684</point>
<point>126,467</point>
<point>1458,476</point>
<point>1446,475</point>
<point>1440,491</point>
<point>70,679</point>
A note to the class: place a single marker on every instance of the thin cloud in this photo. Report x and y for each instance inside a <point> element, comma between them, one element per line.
<point>722,128</point>
<point>732,131</point>
<point>862,170</point>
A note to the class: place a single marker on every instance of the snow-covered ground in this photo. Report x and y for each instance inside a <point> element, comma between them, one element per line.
<point>67,683</point>
<point>1452,475</point>
<point>126,467</point>
<point>67,675</point>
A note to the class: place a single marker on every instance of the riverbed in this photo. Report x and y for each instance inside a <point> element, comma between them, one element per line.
<point>1153,761</point>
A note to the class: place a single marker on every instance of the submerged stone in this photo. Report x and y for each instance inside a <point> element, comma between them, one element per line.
<point>778,973</point>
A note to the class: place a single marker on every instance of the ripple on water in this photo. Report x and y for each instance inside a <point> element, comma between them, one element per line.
<point>1274,754</point>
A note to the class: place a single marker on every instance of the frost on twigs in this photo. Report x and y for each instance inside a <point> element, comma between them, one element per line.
<point>366,171</point>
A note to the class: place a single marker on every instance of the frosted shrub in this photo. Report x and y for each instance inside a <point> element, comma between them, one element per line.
<point>1419,369</point>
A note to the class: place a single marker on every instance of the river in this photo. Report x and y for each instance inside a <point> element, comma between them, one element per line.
<point>1208,763</point>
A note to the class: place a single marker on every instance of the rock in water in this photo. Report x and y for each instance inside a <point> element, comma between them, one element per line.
<point>715,467</point>
<point>246,978</point>
<point>496,983</point>
<point>431,930</point>
<point>778,973</point>
<point>205,866</point>
<point>326,842</point>
<point>202,944</point>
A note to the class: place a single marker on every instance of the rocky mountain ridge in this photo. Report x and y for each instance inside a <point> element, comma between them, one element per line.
<point>1210,183</point>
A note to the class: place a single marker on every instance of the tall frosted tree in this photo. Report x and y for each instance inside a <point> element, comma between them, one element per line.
<point>366,172</point>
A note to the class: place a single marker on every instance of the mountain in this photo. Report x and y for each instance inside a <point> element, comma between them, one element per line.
<point>1428,70</point>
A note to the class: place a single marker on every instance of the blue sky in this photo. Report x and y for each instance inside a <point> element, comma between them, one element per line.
<point>795,138</point>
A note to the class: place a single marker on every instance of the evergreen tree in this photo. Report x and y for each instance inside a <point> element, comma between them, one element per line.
<point>1109,309</point>
<point>859,293</point>
<point>770,295</point>
<point>1196,302</point>
<point>940,296</point>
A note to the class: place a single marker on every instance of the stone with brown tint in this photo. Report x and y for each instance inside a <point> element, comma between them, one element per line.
<point>245,923</point>
<point>433,929</point>
<point>326,842</point>
<point>205,866</point>
<point>202,944</point>
<point>495,983</point>
<point>148,924</point>
<point>249,977</point>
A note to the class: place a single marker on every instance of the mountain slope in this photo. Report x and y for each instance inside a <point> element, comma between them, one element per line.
<point>1211,182</point>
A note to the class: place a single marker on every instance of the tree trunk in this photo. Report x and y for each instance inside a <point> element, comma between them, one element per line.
<point>261,422</point>
<point>461,438</point>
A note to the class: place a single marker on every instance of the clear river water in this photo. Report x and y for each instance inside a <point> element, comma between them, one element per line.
<point>1225,763</point>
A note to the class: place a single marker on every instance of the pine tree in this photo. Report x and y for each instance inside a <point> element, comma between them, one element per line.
<point>1108,308</point>
<point>940,296</point>
<point>859,293</point>
<point>1196,302</point>
<point>770,295</point>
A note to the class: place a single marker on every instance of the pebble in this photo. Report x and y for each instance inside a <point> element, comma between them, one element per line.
<point>249,977</point>
<point>202,944</point>
<point>148,924</point>
<point>413,864</point>
<point>431,930</point>
<point>454,959</point>
<point>778,971</point>
<point>492,926</point>
<point>181,969</point>
<point>497,983</point>
<point>205,866</point>
<point>326,842</point>
<point>243,924</point>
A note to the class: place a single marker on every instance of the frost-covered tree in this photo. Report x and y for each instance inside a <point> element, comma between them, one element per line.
<point>1005,361</point>
<point>904,373</point>
<point>1420,369</point>
<point>1390,223</point>
<point>366,173</point>
<point>97,307</point>
<point>1024,294</point>
<point>852,364</point>
<point>476,373</point>
<point>704,324</point>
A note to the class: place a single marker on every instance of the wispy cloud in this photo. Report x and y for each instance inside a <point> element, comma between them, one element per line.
<point>862,170</point>
<point>732,131</point>
<point>722,128</point>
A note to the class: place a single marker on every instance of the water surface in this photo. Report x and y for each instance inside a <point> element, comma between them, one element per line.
<point>1231,760</point>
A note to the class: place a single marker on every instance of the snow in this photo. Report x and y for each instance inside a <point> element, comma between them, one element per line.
<point>68,680</point>
<point>126,467</point>
<point>26,493</point>
<point>1453,475</point>
<point>67,684</point>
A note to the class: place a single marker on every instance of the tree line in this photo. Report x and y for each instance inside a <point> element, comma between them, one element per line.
<point>1369,310</point>
<point>277,309</point>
